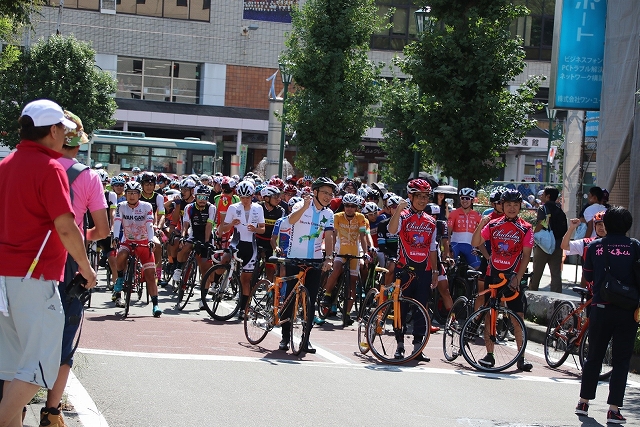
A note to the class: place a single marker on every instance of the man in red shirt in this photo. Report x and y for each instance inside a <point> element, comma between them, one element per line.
<point>511,240</point>
<point>37,230</point>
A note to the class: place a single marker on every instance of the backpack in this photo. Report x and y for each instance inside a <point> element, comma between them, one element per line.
<point>558,223</point>
<point>72,173</point>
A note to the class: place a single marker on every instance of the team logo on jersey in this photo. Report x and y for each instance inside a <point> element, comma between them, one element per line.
<point>316,233</point>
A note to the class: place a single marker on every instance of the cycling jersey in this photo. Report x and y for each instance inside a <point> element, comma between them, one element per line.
<point>348,232</point>
<point>387,242</point>
<point>270,218</point>
<point>136,222</point>
<point>282,230</point>
<point>156,200</point>
<point>417,237</point>
<point>181,205</point>
<point>308,231</point>
<point>198,218</point>
<point>374,228</point>
<point>507,239</point>
<point>252,216</point>
<point>222,202</point>
<point>462,225</point>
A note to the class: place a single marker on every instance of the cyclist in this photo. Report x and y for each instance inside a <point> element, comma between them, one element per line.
<point>222,203</point>
<point>310,219</point>
<point>511,240</point>
<point>156,200</point>
<point>135,218</point>
<point>387,242</point>
<point>135,172</point>
<point>349,227</point>
<point>187,187</point>
<point>272,212</point>
<point>117,186</point>
<point>289,191</point>
<point>247,219</point>
<point>417,248</point>
<point>462,222</point>
<point>111,200</point>
<point>443,249</point>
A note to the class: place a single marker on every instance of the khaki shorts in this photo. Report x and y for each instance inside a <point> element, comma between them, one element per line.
<point>31,337</point>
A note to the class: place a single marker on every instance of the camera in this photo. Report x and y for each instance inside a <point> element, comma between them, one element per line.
<point>75,288</point>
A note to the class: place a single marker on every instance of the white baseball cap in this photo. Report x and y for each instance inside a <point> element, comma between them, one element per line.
<point>44,112</point>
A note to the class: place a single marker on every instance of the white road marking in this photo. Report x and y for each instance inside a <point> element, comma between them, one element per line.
<point>84,406</point>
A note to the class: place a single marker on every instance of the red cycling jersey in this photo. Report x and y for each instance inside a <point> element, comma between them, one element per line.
<point>462,225</point>
<point>507,239</point>
<point>416,237</point>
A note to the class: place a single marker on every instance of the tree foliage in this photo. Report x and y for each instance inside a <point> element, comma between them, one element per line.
<point>62,69</point>
<point>463,66</point>
<point>337,84</point>
<point>15,17</point>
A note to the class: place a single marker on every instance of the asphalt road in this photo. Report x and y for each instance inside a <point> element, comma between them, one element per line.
<point>186,369</point>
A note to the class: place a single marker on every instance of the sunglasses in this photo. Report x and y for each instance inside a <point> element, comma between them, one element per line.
<point>202,197</point>
<point>117,185</point>
<point>350,206</point>
<point>465,198</point>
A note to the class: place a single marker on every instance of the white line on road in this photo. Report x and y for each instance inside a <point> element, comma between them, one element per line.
<point>84,406</point>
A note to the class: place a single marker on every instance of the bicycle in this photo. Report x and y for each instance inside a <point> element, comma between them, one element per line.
<point>340,296</point>
<point>458,286</point>
<point>567,333</point>
<point>476,332</point>
<point>388,324</point>
<point>94,258</point>
<point>224,287</point>
<point>375,277</point>
<point>132,278</point>
<point>265,308</point>
<point>188,279</point>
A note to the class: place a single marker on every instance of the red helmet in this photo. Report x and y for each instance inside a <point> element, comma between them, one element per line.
<point>290,189</point>
<point>277,182</point>
<point>598,217</point>
<point>306,190</point>
<point>418,186</point>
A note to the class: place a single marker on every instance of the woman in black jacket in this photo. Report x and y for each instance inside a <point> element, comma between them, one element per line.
<point>607,321</point>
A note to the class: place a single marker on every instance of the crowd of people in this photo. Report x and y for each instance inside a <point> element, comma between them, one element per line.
<point>67,204</point>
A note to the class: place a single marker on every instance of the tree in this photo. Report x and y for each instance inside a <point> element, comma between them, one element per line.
<point>15,17</point>
<point>336,83</point>
<point>62,69</point>
<point>463,67</point>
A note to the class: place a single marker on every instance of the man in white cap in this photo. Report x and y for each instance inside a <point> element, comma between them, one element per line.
<point>36,231</point>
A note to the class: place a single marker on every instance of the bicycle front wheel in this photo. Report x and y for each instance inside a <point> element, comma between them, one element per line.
<point>187,283</point>
<point>607,368</point>
<point>475,336</point>
<point>398,345</point>
<point>458,314</point>
<point>224,302</point>
<point>258,318</point>
<point>128,285</point>
<point>562,327</point>
<point>366,308</point>
<point>299,325</point>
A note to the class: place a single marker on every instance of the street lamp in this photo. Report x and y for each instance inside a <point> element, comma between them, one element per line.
<point>551,115</point>
<point>423,18</point>
<point>285,73</point>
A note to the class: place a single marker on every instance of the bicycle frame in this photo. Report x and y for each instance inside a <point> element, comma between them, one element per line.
<point>492,290</point>
<point>275,287</point>
<point>396,293</point>
<point>583,326</point>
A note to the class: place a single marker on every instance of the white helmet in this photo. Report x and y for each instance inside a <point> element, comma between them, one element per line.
<point>394,200</point>
<point>245,189</point>
<point>133,186</point>
<point>270,190</point>
<point>294,200</point>
<point>188,183</point>
<point>468,192</point>
<point>370,207</point>
<point>350,199</point>
<point>104,176</point>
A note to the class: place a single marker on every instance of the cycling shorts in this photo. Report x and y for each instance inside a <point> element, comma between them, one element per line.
<point>265,245</point>
<point>248,253</point>
<point>465,249</point>
<point>143,253</point>
<point>354,265</point>
<point>515,305</point>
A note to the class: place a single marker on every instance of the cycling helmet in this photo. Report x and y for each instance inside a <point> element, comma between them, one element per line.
<point>386,196</point>
<point>104,176</point>
<point>118,180</point>
<point>125,176</point>
<point>350,199</point>
<point>348,182</point>
<point>203,189</point>
<point>301,182</point>
<point>249,179</point>
<point>194,177</point>
<point>135,170</point>
<point>362,192</point>
<point>373,194</point>
<point>306,190</point>
<point>260,187</point>
<point>370,207</point>
<point>418,186</point>
<point>361,201</point>
<point>133,186</point>
<point>446,189</point>
<point>162,178</point>
<point>187,183</point>
<point>496,193</point>
<point>290,189</point>
<point>245,189</point>
<point>228,183</point>
<point>394,200</point>
<point>468,192</point>
<point>235,177</point>
<point>148,176</point>
<point>294,200</point>
<point>270,190</point>
<point>598,217</point>
<point>511,196</point>
<point>277,182</point>
<point>323,181</point>
<point>205,177</point>
<point>174,184</point>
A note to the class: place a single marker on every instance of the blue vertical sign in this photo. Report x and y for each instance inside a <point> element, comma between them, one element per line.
<point>579,53</point>
<point>593,122</point>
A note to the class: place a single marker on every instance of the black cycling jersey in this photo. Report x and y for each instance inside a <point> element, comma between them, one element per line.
<point>152,200</point>
<point>198,219</point>
<point>387,242</point>
<point>270,218</point>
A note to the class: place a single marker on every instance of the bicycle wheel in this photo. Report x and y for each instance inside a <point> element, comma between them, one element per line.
<point>561,329</point>
<point>473,345</point>
<point>138,283</point>
<point>224,302</point>
<point>258,318</point>
<point>299,326</point>
<point>127,287</point>
<point>343,302</point>
<point>108,273</point>
<point>607,368</point>
<point>386,342</point>
<point>458,314</point>
<point>187,282</point>
<point>366,308</point>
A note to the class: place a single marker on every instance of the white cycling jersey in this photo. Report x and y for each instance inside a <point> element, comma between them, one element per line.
<point>136,222</point>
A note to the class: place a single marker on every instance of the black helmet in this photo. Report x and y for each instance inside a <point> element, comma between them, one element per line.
<point>496,194</point>
<point>323,181</point>
<point>147,177</point>
<point>203,189</point>
<point>511,196</point>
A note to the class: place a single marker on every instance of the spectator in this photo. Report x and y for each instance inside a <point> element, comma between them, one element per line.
<point>596,204</point>
<point>552,217</point>
<point>40,219</point>
<point>525,190</point>
<point>607,321</point>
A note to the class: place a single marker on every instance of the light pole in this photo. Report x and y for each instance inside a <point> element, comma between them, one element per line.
<point>423,17</point>
<point>285,73</point>
<point>551,115</point>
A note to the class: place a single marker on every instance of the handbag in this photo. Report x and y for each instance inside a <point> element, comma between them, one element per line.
<point>545,238</point>
<point>580,232</point>
<point>613,291</point>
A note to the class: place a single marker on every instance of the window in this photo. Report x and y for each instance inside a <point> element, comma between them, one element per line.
<point>158,80</point>
<point>176,9</point>
<point>182,3</point>
<point>403,25</point>
<point>536,30</point>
